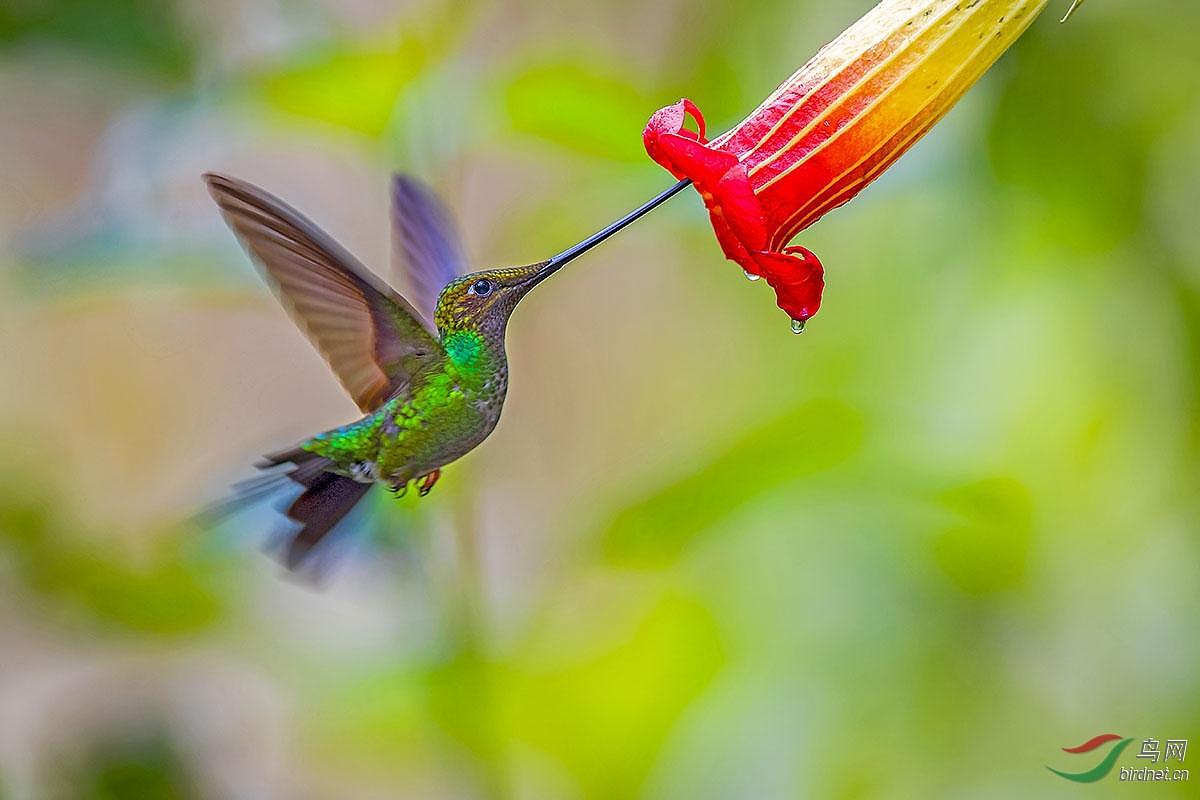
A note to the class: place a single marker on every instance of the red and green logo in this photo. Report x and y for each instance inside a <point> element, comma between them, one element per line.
<point>1106,764</point>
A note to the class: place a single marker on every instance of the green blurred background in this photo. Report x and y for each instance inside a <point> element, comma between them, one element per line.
<point>951,529</point>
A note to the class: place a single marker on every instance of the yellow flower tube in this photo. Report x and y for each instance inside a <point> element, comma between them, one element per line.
<point>831,128</point>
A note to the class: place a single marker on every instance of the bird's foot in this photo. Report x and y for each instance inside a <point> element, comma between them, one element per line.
<point>425,482</point>
<point>399,491</point>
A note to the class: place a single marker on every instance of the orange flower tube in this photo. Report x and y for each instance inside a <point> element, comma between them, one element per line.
<point>832,128</point>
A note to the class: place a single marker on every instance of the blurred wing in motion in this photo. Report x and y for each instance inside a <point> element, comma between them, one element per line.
<point>370,335</point>
<point>425,243</point>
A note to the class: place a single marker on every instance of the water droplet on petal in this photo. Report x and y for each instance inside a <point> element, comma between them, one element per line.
<point>797,326</point>
<point>751,276</point>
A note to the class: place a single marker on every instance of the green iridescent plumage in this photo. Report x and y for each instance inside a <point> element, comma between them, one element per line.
<point>453,403</point>
<point>429,392</point>
<point>441,393</point>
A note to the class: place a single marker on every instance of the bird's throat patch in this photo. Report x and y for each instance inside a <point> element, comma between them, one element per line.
<point>465,348</point>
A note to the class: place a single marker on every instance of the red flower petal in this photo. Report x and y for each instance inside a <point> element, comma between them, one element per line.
<point>737,216</point>
<point>831,128</point>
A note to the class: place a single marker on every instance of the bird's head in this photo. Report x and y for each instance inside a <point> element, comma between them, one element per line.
<point>483,301</point>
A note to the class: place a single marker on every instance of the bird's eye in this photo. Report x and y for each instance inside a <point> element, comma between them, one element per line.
<point>482,287</point>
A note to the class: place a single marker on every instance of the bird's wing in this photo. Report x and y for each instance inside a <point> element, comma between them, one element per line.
<point>371,336</point>
<point>425,243</point>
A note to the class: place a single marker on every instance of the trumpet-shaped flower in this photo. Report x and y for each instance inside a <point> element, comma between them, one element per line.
<point>832,128</point>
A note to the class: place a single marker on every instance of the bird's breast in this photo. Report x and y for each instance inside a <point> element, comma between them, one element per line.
<point>442,424</point>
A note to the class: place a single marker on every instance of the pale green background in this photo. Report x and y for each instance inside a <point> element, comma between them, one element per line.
<point>951,529</point>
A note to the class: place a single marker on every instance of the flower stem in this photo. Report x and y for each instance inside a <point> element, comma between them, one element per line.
<point>1074,5</point>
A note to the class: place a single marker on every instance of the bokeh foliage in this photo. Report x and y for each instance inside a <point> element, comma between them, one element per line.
<point>950,530</point>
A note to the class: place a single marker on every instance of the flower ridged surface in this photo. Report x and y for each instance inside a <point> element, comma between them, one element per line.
<point>831,128</point>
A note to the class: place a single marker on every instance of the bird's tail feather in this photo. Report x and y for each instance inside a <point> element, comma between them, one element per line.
<point>318,509</point>
<point>327,498</point>
<point>324,500</point>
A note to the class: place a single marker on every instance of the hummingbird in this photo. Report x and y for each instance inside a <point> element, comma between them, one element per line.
<point>429,373</point>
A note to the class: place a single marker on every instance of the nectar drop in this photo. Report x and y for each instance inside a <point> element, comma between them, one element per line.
<point>751,276</point>
<point>797,326</point>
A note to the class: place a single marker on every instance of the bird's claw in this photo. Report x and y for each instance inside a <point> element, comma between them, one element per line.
<point>425,482</point>
<point>399,491</point>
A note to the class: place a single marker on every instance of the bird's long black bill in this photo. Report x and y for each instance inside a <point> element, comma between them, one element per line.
<point>556,263</point>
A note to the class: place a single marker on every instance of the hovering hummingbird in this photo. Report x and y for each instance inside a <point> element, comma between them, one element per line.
<point>430,375</point>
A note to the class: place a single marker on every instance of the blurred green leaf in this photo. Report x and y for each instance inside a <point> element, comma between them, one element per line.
<point>372,715</point>
<point>658,528</point>
<point>163,595</point>
<point>588,108</point>
<point>148,34</point>
<point>1059,134</point>
<point>607,716</point>
<point>145,768</point>
<point>347,87</point>
<point>986,552</point>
